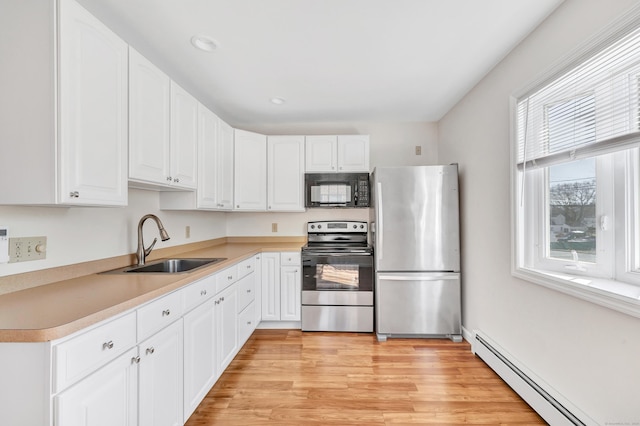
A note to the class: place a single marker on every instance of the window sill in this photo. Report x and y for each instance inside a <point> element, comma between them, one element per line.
<point>615,295</point>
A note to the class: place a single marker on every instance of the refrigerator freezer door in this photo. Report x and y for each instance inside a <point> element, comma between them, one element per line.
<point>419,304</point>
<point>416,214</point>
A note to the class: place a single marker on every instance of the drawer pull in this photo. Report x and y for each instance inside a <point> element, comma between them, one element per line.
<point>222,299</point>
<point>150,350</point>
<point>230,277</point>
<point>166,312</point>
<point>203,293</point>
<point>135,360</point>
<point>107,345</point>
<point>248,266</point>
<point>248,290</point>
<point>248,322</point>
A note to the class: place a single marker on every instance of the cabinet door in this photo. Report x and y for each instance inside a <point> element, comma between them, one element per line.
<point>270,286</point>
<point>227,326</point>
<point>160,378</point>
<point>321,154</point>
<point>207,158</point>
<point>199,355</point>
<point>106,398</point>
<point>290,293</point>
<point>149,121</point>
<point>92,110</point>
<point>353,153</point>
<point>285,173</point>
<point>184,137</point>
<point>250,171</point>
<point>224,166</point>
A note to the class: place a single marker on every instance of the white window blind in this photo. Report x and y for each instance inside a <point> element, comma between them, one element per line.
<point>589,110</point>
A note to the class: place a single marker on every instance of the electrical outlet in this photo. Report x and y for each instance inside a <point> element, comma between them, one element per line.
<point>187,231</point>
<point>418,150</point>
<point>274,227</point>
<point>27,248</point>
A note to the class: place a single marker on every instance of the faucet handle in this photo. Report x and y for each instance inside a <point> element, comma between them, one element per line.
<point>148,249</point>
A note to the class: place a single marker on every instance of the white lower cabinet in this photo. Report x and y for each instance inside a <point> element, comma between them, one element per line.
<point>151,366</point>
<point>200,372</point>
<point>106,398</point>
<point>227,326</point>
<point>160,378</point>
<point>281,286</point>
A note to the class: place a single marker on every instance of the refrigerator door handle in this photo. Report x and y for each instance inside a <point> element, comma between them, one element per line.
<point>379,229</point>
<point>419,277</point>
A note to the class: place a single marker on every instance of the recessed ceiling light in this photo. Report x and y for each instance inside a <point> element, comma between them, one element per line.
<point>277,101</point>
<point>204,43</point>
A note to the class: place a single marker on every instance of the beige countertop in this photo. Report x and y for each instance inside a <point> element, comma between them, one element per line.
<point>51,311</point>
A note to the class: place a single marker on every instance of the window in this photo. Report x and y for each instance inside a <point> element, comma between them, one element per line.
<point>576,177</point>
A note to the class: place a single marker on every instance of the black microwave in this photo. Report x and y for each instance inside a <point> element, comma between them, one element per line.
<point>336,189</point>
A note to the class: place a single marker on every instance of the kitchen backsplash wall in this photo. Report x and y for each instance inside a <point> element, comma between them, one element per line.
<point>81,234</point>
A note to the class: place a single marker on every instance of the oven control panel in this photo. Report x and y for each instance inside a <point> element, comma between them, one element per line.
<point>336,227</point>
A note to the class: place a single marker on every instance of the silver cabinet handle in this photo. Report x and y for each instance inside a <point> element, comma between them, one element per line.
<point>150,350</point>
<point>230,277</point>
<point>169,179</point>
<point>74,194</point>
<point>222,299</point>
<point>217,302</point>
<point>135,360</point>
<point>107,345</point>
<point>248,266</point>
<point>203,293</point>
<point>166,312</point>
<point>248,322</point>
<point>248,290</point>
<point>176,180</point>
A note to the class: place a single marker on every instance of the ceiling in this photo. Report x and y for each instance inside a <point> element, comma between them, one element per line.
<point>330,60</point>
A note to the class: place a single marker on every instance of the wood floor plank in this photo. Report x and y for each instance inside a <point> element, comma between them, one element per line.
<point>290,377</point>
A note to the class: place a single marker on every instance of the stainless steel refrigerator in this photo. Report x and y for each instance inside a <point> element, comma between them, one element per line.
<point>416,239</point>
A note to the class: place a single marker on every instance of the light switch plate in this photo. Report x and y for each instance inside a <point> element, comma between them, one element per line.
<point>27,249</point>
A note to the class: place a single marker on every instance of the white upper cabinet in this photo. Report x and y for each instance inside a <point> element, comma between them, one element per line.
<point>250,171</point>
<point>66,126</point>
<point>285,167</point>
<point>149,121</point>
<point>321,154</point>
<point>215,169</point>
<point>207,158</point>
<point>349,153</point>
<point>353,153</point>
<point>184,137</point>
<point>224,167</point>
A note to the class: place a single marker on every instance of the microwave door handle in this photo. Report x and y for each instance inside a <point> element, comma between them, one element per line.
<point>379,225</point>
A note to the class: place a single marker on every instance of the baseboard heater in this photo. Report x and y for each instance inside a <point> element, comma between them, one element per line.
<point>548,407</point>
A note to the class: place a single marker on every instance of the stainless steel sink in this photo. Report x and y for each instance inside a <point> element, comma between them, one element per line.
<point>170,266</point>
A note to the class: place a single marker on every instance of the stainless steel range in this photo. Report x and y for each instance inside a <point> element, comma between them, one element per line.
<point>337,278</point>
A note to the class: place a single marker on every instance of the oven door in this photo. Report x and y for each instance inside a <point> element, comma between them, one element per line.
<point>337,272</point>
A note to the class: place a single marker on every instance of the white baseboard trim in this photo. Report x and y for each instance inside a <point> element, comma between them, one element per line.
<point>546,401</point>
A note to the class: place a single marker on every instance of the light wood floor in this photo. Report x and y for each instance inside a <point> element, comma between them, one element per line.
<point>289,377</point>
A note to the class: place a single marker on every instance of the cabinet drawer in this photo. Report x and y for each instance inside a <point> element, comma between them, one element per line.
<point>199,292</point>
<point>246,267</point>
<point>225,278</point>
<point>246,323</point>
<point>290,258</point>
<point>158,314</point>
<point>81,355</point>
<point>246,291</point>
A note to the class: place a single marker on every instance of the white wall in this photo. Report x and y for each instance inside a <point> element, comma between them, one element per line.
<point>82,234</point>
<point>587,353</point>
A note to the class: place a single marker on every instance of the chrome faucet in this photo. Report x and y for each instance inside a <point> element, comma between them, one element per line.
<point>142,252</point>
